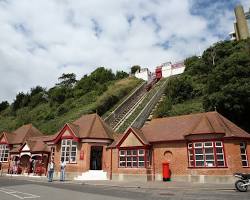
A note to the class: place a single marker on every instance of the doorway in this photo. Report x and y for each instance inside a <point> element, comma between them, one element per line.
<point>96,158</point>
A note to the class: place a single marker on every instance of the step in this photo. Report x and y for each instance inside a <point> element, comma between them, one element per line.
<point>92,175</point>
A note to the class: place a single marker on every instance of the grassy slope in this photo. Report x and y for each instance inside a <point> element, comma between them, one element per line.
<point>187,107</point>
<point>45,118</point>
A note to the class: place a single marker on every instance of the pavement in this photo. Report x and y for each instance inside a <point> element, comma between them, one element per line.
<point>14,188</point>
<point>156,185</point>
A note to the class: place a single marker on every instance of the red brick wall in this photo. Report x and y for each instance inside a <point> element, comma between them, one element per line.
<point>80,165</point>
<point>5,167</point>
<point>115,165</point>
<point>178,163</point>
<point>179,160</point>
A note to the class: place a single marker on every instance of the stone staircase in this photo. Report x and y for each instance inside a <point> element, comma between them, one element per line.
<point>92,175</point>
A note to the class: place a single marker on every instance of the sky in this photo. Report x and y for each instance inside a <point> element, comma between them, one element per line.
<point>41,39</point>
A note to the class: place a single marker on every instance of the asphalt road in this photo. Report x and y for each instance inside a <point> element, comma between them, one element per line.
<point>14,189</point>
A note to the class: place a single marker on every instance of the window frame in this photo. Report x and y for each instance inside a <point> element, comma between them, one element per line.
<point>215,145</point>
<point>133,156</point>
<point>68,144</point>
<point>244,154</point>
<point>3,149</point>
<point>52,154</point>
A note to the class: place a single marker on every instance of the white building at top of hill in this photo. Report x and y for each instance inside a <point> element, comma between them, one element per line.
<point>169,69</point>
<point>144,74</point>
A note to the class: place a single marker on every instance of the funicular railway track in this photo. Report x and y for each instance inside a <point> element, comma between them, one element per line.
<point>124,115</point>
<point>115,118</point>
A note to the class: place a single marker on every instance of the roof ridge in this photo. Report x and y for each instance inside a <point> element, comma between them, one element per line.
<point>75,126</point>
<point>224,125</point>
<point>209,123</point>
<point>180,116</point>
<point>195,125</point>
<point>106,128</point>
<point>91,126</point>
<point>28,132</point>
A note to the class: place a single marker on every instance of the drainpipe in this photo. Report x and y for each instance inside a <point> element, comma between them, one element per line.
<point>8,167</point>
<point>153,164</point>
<point>111,157</point>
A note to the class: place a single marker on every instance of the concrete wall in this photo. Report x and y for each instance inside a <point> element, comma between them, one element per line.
<point>170,70</point>
<point>143,74</point>
<point>242,29</point>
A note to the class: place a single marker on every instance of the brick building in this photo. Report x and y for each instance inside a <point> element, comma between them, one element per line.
<point>198,147</point>
<point>22,149</point>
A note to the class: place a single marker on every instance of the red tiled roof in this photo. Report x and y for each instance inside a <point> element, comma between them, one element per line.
<point>35,145</point>
<point>91,126</point>
<point>24,132</point>
<point>9,136</point>
<point>21,134</point>
<point>43,138</point>
<point>119,137</point>
<point>176,128</point>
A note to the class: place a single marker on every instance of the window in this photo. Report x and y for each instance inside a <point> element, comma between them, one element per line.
<point>52,156</point>
<point>206,154</point>
<point>136,158</point>
<point>69,150</point>
<point>4,153</point>
<point>243,153</point>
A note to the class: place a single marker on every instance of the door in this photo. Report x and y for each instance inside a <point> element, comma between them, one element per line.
<point>96,158</point>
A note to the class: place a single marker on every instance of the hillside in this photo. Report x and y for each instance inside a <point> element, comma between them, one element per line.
<point>218,80</point>
<point>49,109</point>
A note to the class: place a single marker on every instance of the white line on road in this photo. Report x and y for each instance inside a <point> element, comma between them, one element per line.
<point>17,194</point>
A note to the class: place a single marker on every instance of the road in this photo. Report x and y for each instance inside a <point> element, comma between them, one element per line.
<point>14,189</point>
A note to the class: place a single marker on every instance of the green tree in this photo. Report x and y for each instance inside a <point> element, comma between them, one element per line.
<point>57,95</point>
<point>67,80</point>
<point>135,68</point>
<point>21,100</point>
<point>36,90</point>
<point>4,105</point>
<point>228,88</point>
<point>85,84</point>
<point>121,75</point>
<point>102,75</point>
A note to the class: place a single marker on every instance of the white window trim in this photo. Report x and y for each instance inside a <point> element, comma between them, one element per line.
<point>3,149</point>
<point>203,145</point>
<point>243,145</point>
<point>70,150</point>
<point>131,156</point>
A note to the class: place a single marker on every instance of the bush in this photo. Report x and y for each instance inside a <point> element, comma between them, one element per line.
<point>164,108</point>
<point>62,109</point>
<point>4,105</point>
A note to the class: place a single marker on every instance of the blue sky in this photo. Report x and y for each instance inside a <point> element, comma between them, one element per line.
<point>42,39</point>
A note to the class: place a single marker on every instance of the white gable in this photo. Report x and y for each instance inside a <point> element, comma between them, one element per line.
<point>3,140</point>
<point>26,148</point>
<point>131,141</point>
<point>66,133</point>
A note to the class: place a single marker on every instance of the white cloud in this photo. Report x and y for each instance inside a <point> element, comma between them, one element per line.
<point>42,39</point>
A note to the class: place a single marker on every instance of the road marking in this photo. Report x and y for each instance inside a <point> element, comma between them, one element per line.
<point>17,194</point>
